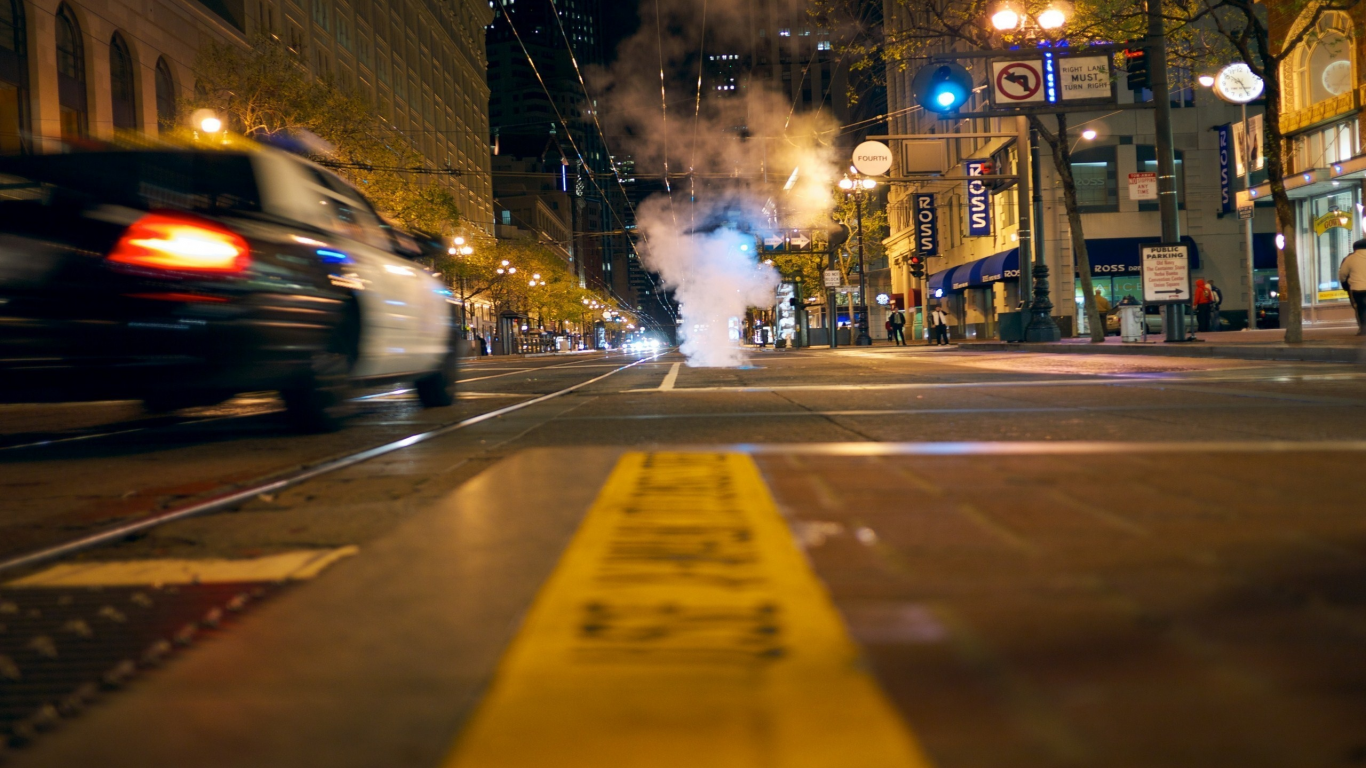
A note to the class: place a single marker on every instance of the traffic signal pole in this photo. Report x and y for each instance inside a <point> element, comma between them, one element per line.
<point>1025,215</point>
<point>1167,204</point>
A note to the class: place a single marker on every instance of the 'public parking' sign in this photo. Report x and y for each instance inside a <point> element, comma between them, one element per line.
<point>1166,274</point>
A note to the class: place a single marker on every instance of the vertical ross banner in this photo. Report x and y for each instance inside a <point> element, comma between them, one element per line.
<point>979,199</point>
<point>926,226</point>
<point>1225,173</point>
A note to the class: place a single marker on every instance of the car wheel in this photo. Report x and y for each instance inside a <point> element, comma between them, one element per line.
<point>437,389</point>
<point>321,400</point>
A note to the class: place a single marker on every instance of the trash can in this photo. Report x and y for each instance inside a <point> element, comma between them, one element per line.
<point>1130,322</point>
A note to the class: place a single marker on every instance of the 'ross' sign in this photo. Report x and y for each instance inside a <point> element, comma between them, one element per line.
<point>1225,171</point>
<point>979,199</point>
<point>926,226</point>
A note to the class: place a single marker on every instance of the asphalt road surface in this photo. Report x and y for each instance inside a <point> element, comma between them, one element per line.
<point>1045,559</point>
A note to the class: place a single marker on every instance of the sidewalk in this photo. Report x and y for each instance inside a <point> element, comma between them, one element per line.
<point>1321,345</point>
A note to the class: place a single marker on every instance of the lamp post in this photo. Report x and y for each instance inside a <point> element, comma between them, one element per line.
<point>858,187</point>
<point>1245,158</point>
<point>461,249</point>
<point>1040,325</point>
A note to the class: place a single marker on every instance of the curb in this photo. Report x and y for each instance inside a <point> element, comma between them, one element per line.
<point>1333,354</point>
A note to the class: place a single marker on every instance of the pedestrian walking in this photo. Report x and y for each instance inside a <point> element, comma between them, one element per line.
<point>1202,306</point>
<point>1352,278</point>
<point>896,327</point>
<point>1216,298</point>
<point>1103,308</point>
<point>940,323</point>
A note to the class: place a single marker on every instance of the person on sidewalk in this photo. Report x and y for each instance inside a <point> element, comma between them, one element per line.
<point>939,321</point>
<point>1216,298</point>
<point>1103,309</point>
<point>896,327</point>
<point>1352,278</point>
<point>1201,300</point>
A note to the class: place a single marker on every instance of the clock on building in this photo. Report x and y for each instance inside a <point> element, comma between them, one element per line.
<point>1237,83</point>
<point>1337,77</point>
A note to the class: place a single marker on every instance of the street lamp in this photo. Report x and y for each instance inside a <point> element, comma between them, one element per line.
<point>857,188</point>
<point>1007,19</point>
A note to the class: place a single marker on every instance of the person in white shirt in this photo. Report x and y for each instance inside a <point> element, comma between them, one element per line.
<point>939,324</point>
<point>1352,278</point>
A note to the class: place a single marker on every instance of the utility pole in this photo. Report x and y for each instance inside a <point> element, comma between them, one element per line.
<point>1174,320</point>
<point>863,340</point>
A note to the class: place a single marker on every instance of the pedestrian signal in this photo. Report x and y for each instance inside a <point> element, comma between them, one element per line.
<point>942,87</point>
<point>1136,62</point>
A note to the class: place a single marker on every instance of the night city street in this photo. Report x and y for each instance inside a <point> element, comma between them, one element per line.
<point>682,384</point>
<point>1046,559</point>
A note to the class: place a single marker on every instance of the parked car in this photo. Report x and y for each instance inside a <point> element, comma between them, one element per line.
<point>184,277</point>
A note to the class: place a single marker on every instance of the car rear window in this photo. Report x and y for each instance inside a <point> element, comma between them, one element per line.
<point>209,182</point>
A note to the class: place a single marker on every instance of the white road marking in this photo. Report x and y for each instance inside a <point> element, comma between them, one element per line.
<point>670,377</point>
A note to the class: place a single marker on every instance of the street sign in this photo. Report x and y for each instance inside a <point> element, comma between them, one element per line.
<point>1166,274</point>
<point>1143,186</point>
<point>1085,77</point>
<point>873,158</point>
<point>1225,133</point>
<point>1245,213</point>
<point>1017,82</point>
<point>831,278</point>
<point>774,241</point>
<point>799,241</point>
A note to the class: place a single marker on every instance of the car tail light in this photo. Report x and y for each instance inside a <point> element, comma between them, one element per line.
<point>181,243</point>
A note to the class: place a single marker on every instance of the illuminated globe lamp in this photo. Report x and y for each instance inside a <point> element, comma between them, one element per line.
<point>1052,17</point>
<point>1006,19</point>
<point>1207,81</point>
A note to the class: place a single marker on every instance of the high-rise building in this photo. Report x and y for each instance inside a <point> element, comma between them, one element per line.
<point>122,65</point>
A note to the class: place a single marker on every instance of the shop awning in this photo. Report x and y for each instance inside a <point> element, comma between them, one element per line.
<point>978,274</point>
<point>1121,255</point>
<point>995,268</point>
<point>941,282</point>
<point>1264,253</point>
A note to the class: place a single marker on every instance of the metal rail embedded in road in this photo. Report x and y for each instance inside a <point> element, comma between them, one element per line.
<point>233,498</point>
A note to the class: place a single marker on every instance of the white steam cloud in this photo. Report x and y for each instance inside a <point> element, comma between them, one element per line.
<point>715,277</point>
<point>731,163</point>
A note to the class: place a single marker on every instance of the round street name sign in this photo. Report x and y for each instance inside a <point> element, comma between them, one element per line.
<point>873,158</point>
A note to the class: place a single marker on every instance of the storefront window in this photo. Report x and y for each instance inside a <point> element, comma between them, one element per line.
<point>1093,170</point>
<point>1328,229</point>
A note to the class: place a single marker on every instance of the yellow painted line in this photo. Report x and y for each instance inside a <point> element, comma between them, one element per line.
<point>682,627</point>
<point>286,566</point>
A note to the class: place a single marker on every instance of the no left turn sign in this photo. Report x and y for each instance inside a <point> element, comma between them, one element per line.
<point>1017,82</point>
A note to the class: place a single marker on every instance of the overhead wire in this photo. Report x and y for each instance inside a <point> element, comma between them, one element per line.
<point>602,136</point>
<point>697,112</point>
<point>560,119</point>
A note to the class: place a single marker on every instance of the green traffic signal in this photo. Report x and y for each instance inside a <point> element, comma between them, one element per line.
<point>942,87</point>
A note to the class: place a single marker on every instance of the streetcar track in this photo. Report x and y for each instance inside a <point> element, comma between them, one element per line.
<point>274,482</point>
<point>170,421</point>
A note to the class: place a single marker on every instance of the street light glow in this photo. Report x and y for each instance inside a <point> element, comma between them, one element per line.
<point>211,125</point>
<point>846,183</point>
<point>1052,18</point>
<point>459,240</point>
<point>1088,134</point>
<point>1005,19</point>
<point>1207,80</point>
<point>869,183</point>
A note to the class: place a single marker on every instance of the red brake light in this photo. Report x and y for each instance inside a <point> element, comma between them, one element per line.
<point>181,244</point>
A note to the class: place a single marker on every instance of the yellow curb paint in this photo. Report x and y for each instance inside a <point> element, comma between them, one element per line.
<point>682,627</point>
<point>286,566</point>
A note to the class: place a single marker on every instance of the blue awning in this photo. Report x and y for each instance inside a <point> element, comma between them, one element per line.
<point>1120,255</point>
<point>941,282</point>
<point>1264,253</point>
<point>996,267</point>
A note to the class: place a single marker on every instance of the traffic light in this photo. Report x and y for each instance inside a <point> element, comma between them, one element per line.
<point>917,266</point>
<point>942,87</point>
<point>1136,62</point>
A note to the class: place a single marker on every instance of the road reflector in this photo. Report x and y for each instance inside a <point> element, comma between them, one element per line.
<point>299,565</point>
<point>682,627</point>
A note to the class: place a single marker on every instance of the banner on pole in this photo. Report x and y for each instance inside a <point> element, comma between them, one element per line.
<point>926,225</point>
<point>1225,171</point>
<point>979,199</point>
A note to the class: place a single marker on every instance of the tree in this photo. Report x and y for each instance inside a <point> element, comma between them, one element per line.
<point>266,92</point>
<point>1244,29</point>
<point>922,28</point>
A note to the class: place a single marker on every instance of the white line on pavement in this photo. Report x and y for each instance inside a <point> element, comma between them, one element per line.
<point>670,377</point>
